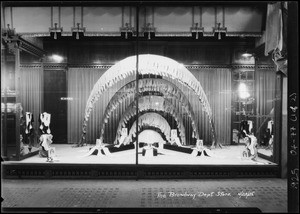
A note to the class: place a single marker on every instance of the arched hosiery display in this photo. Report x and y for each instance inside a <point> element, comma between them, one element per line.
<point>168,89</point>
<point>153,120</point>
<point>148,64</point>
<point>152,103</point>
<point>149,135</point>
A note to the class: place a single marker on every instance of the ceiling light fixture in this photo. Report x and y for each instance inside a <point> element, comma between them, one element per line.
<point>57,58</point>
<point>247,54</point>
<point>243,91</point>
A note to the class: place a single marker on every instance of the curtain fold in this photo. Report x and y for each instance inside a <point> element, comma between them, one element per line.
<point>80,85</point>
<point>274,27</point>
<point>216,83</point>
<point>265,97</point>
<point>31,91</point>
<point>217,86</point>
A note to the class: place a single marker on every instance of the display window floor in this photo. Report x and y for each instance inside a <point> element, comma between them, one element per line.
<point>228,155</point>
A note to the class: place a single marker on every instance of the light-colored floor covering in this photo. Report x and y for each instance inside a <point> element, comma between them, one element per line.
<point>228,155</point>
<point>269,195</point>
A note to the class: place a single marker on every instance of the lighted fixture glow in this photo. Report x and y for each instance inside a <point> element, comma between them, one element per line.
<point>157,103</point>
<point>246,54</point>
<point>57,58</point>
<point>243,91</point>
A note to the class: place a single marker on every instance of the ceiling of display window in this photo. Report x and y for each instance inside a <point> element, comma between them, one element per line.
<point>234,21</point>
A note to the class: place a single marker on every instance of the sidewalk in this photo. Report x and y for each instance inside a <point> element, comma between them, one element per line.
<point>269,195</point>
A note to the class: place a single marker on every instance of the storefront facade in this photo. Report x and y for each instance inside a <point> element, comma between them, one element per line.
<point>144,90</point>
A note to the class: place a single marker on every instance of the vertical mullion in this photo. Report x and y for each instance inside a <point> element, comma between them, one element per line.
<point>137,80</point>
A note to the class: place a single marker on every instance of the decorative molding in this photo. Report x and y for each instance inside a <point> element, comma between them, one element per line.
<point>55,66</point>
<point>206,66</point>
<point>37,34</point>
<point>97,66</point>
<point>171,34</point>
<point>108,66</point>
<point>244,34</point>
<point>28,47</point>
<point>89,66</point>
<point>267,67</point>
<point>18,42</point>
<point>234,66</point>
<point>110,34</point>
<point>141,34</point>
<point>31,65</point>
<point>241,66</point>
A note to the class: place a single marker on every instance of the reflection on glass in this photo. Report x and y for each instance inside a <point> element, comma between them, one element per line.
<point>265,85</point>
<point>266,133</point>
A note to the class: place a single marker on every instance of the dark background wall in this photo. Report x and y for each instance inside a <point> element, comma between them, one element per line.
<point>186,51</point>
<point>55,89</point>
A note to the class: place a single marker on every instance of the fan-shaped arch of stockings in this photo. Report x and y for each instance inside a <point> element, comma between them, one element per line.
<point>168,89</point>
<point>149,119</point>
<point>152,103</point>
<point>147,64</point>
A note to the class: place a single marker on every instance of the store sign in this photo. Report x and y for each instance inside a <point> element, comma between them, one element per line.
<point>66,98</point>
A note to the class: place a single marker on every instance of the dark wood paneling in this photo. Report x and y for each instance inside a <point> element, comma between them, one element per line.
<point>55,87</point>
<point>199,54</point>
<point>28,58</point>
<point>99,53</point>
<point>110,52</point>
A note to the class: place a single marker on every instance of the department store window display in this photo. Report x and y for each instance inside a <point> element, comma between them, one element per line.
<point>176,122</point>
<point>167,128</point>
<point>170,101</point>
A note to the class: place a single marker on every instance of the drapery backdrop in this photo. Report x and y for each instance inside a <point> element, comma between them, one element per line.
<point>80,83</point>
<point>265,96</point>
<point>31,95</point>
<point>216,83</point>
